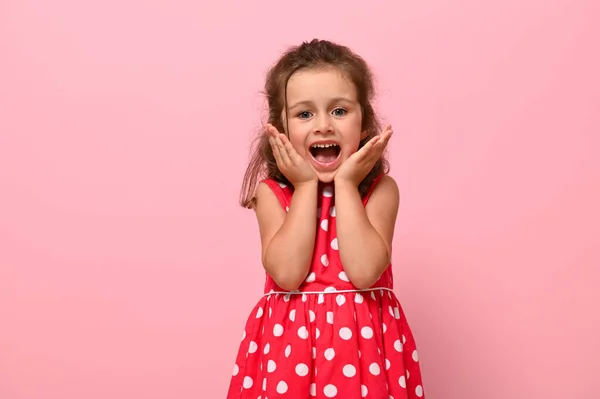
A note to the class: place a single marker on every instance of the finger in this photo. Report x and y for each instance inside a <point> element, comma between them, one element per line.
<point>282,150</point>
<point>387,133</point>
<point>289,148</point>
<point>380,146</point>
<point>270,130</point>
<point>368,147</point>
<point>276,152</point>
<point>376,151</point>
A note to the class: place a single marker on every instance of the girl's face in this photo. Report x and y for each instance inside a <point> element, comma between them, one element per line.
<point>324,119</point>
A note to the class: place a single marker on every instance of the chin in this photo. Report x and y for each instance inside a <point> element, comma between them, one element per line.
<point>326,177</point>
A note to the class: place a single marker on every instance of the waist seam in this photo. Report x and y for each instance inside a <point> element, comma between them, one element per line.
<point>326,292</point>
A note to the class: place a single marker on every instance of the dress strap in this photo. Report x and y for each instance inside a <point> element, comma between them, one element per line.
<point>372,188</point>
<point>281,191</point>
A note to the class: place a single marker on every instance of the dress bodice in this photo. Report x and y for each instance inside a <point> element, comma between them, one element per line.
<point>326,270</point>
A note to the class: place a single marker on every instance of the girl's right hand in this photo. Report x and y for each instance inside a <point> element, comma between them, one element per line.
<point>295,168</point>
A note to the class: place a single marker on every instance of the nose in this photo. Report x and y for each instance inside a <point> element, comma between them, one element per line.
<point>323,125</point>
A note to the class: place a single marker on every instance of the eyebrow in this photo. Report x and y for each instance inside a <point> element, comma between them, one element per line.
<point>333,100</point>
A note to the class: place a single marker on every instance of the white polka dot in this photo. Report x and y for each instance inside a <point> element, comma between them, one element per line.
<point>311,277</point>
<point>325,260</point>
<point>282,185</point>
<point>286,298</point>
<point>312,316</point>
<point>329,354</point>
<point>293,315</point>
<point>302,369</point>
<point>264,384</point>
<point>248,382</point>
<point>359,354</point>
<point>373,295</point>
<point>321,299</point>
<point>314,352</point>
<point>349,370</point>
<point>303,332</point>
<point>344,277</point>
<point>325,224</point>
<point>419,391</point>
<point>253,347</point>
<point>388,364</point>
<point>287,208</point>
<point>345,333</point>
<point>403,339</point>
<point>244,335</point>
<point>363,391</point>
<point>402,381</point>
<point>236,369</point>
<point>397,313</point>
<point>313,389</point>
<point>384,326</point>
<point>415,356</point>
<point>270,311</point>
<point>334,244</point>
<point>329,289</point>
<point>278,330</point>
<point>366,332</point>
<point>288,350</point>
<point>330,317</point>
<point>259,312</point>
<point>267,348</point>
<point>358,298</point>
<point>330,390</point>
<point>398,345</point>
<point>391,309</point>
<point>374,369</point>
<point>282,387</point>
<point>332,211</point>
<point>340,299</point>
<point>407,374</point>
<point>317,333</point>
<point>327,191</point>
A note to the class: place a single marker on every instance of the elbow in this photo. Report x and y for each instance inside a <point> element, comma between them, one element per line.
<point>363,282</point>
<point>288,281</point>
<point>364,278</point>
<point>288,278</point>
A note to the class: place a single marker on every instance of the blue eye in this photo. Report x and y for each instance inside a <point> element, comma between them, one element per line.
<point>304,115</point>
<point>339,112</point>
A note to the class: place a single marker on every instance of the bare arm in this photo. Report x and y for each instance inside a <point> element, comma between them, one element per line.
<point>287,239</point>
<point>365,233</point>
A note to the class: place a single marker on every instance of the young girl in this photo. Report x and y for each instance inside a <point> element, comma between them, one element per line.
<point>329,324</point>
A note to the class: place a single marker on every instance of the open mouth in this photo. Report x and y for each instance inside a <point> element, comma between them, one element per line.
<point>325,153</point>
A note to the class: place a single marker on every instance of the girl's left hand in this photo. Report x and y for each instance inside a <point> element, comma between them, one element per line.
<point>359,164</point>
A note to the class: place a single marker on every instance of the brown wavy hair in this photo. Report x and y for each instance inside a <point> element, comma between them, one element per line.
<point>313,54</point>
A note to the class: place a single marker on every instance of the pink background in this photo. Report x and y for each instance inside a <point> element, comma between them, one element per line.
<point>127,269</point>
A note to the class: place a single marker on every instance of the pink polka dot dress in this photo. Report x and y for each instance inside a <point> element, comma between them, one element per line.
<point>327,339</point>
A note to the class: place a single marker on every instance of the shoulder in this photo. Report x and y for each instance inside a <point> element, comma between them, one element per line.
<point>265,191</point>
<point>271,194</point>
<point>385,196</point>
<point>269,212</point>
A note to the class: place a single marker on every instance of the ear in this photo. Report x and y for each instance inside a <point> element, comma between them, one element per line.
<point>363,135</point>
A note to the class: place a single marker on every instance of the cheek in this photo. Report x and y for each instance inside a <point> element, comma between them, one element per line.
<point>298,143</point>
